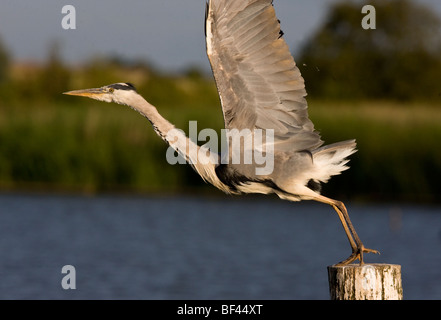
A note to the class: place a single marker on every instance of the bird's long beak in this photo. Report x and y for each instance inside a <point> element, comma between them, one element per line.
<point>93,93</point>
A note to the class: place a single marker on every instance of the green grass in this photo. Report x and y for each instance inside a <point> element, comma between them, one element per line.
<point>91,147</point>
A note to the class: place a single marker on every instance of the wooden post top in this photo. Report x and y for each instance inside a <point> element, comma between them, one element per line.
<point>374,281</point>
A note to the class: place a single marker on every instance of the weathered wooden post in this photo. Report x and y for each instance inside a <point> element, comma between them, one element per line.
<point>374,281</point>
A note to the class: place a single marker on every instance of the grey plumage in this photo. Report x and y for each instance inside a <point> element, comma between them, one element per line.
<point>260,88</point>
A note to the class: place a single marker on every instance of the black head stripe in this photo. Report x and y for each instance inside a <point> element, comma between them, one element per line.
<point>123,86</point>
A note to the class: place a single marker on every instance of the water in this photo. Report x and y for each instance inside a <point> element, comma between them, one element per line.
<point>192,248</point>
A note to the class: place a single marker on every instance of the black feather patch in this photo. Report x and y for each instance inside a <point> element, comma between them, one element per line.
<point>281,33</point>
<point>230,177</point>
<point>314,185</point>
<point>123,86</point>
<point>233,179</point>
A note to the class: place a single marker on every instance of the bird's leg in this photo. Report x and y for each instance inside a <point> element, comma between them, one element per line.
<point>345,226</point>
<point>357,252</point>
<point>357,246</point>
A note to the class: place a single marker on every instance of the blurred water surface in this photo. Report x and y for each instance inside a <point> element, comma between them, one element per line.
<point>125,247</point>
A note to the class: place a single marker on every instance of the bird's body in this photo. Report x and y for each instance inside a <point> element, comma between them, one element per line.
<point>261,90</point>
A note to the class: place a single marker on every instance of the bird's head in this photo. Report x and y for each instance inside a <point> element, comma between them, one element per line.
<point>121,93</point>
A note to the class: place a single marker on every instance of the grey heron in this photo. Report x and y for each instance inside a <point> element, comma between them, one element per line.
<point>260,87</point>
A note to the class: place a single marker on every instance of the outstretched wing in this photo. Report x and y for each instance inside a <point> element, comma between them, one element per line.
<point>258,81</point>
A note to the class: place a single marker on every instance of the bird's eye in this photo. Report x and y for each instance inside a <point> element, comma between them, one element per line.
<point>111,90</point>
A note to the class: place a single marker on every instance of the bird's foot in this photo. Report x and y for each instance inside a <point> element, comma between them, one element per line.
<point>357,253</point>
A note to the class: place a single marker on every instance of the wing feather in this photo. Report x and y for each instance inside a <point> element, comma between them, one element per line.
<point>258,81</point>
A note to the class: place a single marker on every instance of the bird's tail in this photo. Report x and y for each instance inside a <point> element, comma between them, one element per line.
<point>331,160</point>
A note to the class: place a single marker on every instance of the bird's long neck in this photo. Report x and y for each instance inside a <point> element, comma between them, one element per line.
<point>161,125</point>
<point>177,139</point>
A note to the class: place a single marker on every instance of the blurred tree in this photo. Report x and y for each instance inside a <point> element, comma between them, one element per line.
<point>400,59</point>
<point>4,63</point>
<point>55,76</point>
<point>4,74</point>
